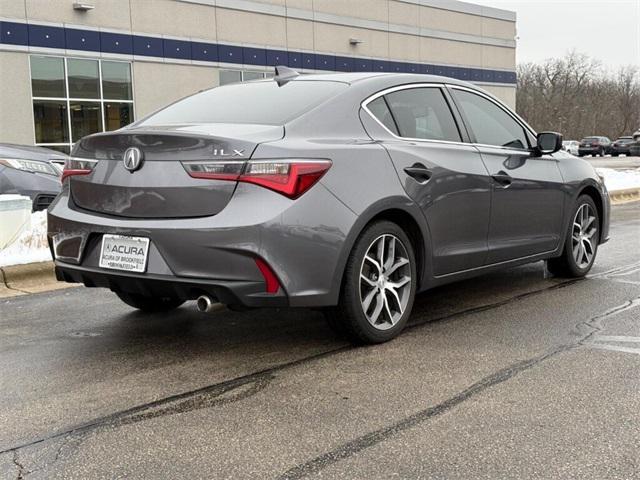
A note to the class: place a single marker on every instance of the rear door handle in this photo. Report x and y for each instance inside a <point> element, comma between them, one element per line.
<point>503,179</point>
<point>419,172</point>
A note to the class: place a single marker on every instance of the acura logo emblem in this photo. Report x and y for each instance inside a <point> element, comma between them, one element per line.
<point>132,159</point>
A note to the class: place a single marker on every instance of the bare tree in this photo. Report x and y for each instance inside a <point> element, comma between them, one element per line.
<point>576,96</point>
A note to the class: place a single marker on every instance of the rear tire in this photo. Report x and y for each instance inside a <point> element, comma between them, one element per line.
<point>378,288</point>
<point>149,304</point>
<point>581,242</point>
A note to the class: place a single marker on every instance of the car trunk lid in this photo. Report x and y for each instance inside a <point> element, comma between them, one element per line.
<point>161,187</point>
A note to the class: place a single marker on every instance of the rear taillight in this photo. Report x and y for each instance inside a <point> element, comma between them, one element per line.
<point>77,166</point>
<point>289,177</point>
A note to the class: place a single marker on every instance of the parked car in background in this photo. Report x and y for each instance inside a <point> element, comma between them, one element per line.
<point>347,192</point>
<point>571,146</point>
<point>634,147</point>
<point>31,171</point>
<point>594,146</point>
<point>621,146</point>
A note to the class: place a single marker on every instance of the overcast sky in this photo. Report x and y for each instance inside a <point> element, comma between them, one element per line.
<point>608,30</point>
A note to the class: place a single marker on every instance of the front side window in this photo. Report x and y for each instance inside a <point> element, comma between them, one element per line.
<point>489,123</point>
<point>74,97</point>
<point>423,113</point>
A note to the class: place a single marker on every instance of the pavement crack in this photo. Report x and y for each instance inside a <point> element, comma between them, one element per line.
<point>22,471</point>
<point>375,437</point>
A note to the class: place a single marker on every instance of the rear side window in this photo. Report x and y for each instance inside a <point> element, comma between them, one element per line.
<point>423,113</point>
<point>490,124</point>
<point>381,111</point>
<point>260,103</point>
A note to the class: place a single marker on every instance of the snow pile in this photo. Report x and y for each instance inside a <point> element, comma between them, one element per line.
<point>620,179</point>
<point>31,246</point>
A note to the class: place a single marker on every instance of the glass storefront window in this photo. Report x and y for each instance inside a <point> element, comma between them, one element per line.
<point>50,118</point>
<point>84,81</point>
<point>75,97</point>
<point>116,80</point>
<point>86,118</point>
<point>47,77</point>
<point>117,115</point>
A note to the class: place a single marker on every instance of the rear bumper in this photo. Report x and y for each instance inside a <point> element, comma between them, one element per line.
<point>245,293</point>
<point>217,255</point>
<point>590,150</point>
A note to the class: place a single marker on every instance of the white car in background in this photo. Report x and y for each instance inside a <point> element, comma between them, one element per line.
<point>571,146</point>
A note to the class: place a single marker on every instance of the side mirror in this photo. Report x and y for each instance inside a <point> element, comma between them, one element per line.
<point>548,143</point>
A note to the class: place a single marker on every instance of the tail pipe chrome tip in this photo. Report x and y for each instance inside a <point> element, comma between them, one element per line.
<point>205,304</point>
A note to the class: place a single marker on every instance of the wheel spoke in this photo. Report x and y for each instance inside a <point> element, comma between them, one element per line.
<point>378,308</point>
<point>386,306</point>
<point>391,253</point>
<point>366,303</point>
<point>576,251</point>
<point>367,280</point>
<point>399,263</point>
<point>400,283</point>
<point>375,263</point>
<point>393,292</point>
<point>381,252</point>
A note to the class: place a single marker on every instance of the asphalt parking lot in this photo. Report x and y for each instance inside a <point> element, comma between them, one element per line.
<point>510,375</point>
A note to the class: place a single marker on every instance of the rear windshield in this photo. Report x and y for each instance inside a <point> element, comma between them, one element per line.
<point>591,139</point>
<point>261,103</point>
<point>625,140</point>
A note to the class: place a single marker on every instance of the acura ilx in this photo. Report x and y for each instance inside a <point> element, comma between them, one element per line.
<point>346,192</point>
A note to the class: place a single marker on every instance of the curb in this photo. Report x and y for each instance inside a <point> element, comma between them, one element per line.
<point>28,278</point>
<point>626,195</point>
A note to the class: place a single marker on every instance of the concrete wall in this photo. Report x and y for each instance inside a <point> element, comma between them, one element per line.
<point>16,112</point>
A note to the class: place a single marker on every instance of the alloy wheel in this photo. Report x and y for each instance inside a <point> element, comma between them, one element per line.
<point>583,237</point>
<point>385,281</point>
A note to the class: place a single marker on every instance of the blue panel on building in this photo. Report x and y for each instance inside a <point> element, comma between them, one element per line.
<point>363,65</point>
<point>440,70</point>
<point>488,76</point>
<point>511,77</point>
<point>204,52</point>
<point>325,62</point>
<point>176,49</point>
<point>45,36</point>
<point>82,39</point>
<point>277,57</point>
<point>229,54</point>
<point>116,43</point>
<point>412,68</point>
<point>254,56</point>
<point>464,74</point>
<point>396,67</point>
<point>500,76</point>
<point>380,66</point>
<point>149,46</point>
<point>14,33</point>
<point>309,61</point>
<point>295,60</point>
<point>476,74</point>
<point>344,64</point>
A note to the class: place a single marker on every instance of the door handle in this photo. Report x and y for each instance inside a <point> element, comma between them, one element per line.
<point>419,172</point>
<point>503,179</point>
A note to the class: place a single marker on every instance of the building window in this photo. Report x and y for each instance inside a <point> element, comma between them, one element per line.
<point>74,97</point>
<point>234,76</point>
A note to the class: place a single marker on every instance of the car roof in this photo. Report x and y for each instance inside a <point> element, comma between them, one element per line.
<point>355,77</point>
<point>29,152</point>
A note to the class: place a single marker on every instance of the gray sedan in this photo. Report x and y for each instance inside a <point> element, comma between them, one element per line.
<point>346,192</point>
<point>31,171</point>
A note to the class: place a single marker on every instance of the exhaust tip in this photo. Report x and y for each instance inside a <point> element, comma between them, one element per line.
<point>205,304</point>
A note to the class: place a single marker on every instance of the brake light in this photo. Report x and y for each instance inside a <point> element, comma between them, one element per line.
<point>77,166</point>
<point>289,177</point>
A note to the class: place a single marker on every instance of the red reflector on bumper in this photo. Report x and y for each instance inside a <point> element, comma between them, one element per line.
<point>273,285</point>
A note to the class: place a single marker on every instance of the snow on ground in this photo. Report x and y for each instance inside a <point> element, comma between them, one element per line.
<point>620,179</point>
<point>31,246</point>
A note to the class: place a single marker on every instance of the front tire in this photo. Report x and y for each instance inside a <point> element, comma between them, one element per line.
<point>379,286</point>
<point>150,304</point>
<point>581,243</point>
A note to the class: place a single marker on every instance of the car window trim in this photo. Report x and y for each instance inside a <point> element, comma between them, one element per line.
<point>408,86</point>
<point>524,125</point>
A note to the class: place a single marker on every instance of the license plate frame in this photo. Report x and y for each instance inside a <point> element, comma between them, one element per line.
<point>124,253</point>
